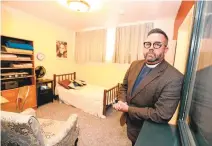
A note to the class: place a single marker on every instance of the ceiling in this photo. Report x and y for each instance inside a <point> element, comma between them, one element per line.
<point>103,13</point>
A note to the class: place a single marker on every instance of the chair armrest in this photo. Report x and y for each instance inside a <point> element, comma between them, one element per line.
<point>29,111</point>
<point>68,133</point>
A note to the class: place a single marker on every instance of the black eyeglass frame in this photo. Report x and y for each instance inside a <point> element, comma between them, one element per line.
<point>154,45</point>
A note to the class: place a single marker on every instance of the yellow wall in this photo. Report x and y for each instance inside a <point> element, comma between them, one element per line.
<point>109,74</point>
<point>183,42</point>
<point>44,34</point>
<point>103,74</point>
<point>182,50</point>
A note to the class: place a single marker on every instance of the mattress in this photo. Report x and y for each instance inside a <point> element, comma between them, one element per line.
<point>88,98</point>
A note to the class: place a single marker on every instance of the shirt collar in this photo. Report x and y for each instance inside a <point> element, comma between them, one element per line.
<point>152,65</point>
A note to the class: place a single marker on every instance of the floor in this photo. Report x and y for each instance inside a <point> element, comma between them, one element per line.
<point>93,130</point>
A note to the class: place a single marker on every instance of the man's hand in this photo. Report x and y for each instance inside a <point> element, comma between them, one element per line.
<point>121,106</point>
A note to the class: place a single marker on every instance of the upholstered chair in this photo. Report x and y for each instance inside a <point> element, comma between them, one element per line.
<point>24,129</point>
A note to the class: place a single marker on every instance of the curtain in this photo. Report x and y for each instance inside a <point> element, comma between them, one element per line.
<point>90,46</point>
<point>129,42</point>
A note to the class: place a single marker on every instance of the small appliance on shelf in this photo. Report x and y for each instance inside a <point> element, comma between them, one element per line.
<point>40,72</point>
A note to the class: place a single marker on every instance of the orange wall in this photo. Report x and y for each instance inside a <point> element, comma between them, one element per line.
<point>182,13</point>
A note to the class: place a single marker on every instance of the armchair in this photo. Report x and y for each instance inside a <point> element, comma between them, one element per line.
<point>25,129</point>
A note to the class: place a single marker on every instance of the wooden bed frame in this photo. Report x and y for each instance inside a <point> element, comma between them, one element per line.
<point>108,95</point>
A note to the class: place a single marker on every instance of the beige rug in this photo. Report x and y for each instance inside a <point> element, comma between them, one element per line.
<point>93,131</point>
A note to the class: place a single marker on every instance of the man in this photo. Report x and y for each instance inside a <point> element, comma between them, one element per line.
<point>151,88</point>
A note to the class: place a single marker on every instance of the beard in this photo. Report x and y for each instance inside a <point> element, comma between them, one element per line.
<point>153,58</point>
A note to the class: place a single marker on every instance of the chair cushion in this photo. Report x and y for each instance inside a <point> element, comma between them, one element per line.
<point>50,127</point>
<point>60,133</point>
<point>29,111</point>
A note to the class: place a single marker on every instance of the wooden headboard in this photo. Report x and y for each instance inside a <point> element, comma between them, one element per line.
<point>60,77</point>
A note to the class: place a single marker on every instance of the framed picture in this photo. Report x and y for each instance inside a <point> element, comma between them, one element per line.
<point>61,49</point>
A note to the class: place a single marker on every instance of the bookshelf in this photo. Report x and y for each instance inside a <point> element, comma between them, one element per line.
<point>16,68</point>
<point>17,72</point>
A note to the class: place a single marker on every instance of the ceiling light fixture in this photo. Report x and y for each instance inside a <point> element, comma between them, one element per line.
<point>78,5</point>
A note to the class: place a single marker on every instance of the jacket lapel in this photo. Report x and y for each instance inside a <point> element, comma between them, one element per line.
<point>154,73</point>
<point>135,73</point>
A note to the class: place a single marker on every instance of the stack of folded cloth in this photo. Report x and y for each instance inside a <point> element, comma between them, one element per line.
<point>24,58</point>
<point>13,74</point>
<point>22,65</point>
<point>15,50</point>
<point>8,56</point>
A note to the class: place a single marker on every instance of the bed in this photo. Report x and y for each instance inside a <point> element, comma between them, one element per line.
<point>90,98</point>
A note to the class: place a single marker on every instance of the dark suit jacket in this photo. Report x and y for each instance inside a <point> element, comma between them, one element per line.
<point>155,98</point>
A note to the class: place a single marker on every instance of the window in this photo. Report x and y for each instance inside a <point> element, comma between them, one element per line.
<point>90,46</point>
<point>197,91</point>
<point>110,44</point>
<point>129,42</point>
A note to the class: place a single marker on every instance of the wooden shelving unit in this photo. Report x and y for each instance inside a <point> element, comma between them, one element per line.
<point>17,78</point>
<point>16,73</point>
<point>17,60</point>
<point>2,68</point>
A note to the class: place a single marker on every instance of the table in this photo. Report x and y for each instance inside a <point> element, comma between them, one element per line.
<point>44,95</point>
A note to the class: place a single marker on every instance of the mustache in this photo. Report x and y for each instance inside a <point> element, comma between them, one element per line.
<point>152,53</point>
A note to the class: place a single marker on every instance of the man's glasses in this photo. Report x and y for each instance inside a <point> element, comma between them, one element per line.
<point>156,45</point>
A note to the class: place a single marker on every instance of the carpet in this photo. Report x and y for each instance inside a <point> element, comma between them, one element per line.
<point>93,130</point>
